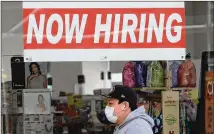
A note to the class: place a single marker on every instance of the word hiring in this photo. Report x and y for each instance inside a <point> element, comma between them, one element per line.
<point>147,25</point>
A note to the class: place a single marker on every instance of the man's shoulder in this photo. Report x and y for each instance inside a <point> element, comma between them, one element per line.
<point>136,126</point>
<point>141,126</point>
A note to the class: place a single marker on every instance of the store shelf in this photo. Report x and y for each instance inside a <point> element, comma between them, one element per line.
<point>150,88</point>
<point>183,88</point>
<point>57,112</point>
<point>164,88</point>
<point>20,110</point>
<point>60,98</point>
<point>10,110</point>
<point>159,89</point>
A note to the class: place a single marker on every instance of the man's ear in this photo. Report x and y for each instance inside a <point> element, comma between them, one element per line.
<point>126,105</point>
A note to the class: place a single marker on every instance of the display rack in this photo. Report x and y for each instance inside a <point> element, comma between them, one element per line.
<point>37,116</point>
<point>18,115</point>
<point>163,94</point>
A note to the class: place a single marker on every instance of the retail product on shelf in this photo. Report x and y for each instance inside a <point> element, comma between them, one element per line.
<point>188,111</point>
<point>5,98</point>
<point>38,123</point>
<point>174,71</point>
<point>175,114</point>
<point>140,74</point>
<point>189,100</point>
<point>153,108</point>
<point>128,75</point>
<point>155,75</point>
<point>19,124</point>
<point>157,115</point>
<point>9,101</point>
<point>170,105</point>
<point>75,100</point>
<point>140,70</point>
<point>187,73</point>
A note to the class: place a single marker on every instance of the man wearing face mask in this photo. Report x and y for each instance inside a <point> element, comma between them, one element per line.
<point>122,110</point>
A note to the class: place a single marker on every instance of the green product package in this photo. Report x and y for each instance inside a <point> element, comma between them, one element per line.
<point>157,79</point>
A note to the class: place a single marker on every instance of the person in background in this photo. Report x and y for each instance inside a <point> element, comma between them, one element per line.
<point>122,110</point>
<point>36,80</point>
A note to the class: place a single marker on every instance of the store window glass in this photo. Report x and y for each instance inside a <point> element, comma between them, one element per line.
<point>64,97</point>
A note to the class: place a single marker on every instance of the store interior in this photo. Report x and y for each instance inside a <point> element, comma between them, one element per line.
<point>71,91</point>
<point>78,110</point>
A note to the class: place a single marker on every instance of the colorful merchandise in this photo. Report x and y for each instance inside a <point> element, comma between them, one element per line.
<point>128,75</point>
<point>164,64</point>
<point>145,104</point>
<point>187,73</point>
<point>140,73</point>
<point>149,76</point>
<point>174,70</point>
<point>183,128</point>
<point>188,111</point>
<point>155,75</point>
<point>75,100</point>
<point>158,117</point>
<point>147,107</point>
<point>154,110</point>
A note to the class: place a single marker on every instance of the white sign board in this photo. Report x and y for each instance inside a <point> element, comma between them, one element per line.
<point>104,31</point>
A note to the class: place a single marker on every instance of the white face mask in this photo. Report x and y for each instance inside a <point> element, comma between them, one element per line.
<point>109,112</point>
